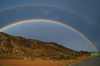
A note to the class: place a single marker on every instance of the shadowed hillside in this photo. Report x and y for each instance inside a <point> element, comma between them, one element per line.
<point>12,47</point>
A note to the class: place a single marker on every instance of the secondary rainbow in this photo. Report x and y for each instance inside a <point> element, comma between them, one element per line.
<point>53,6</point>
<point>45,20</point>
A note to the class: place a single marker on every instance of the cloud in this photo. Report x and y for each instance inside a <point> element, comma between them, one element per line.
<point>56,18</point>
<point>46,12</point>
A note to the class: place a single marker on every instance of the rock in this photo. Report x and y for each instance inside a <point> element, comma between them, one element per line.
<point>25,58</point>
<point>4,48</point>
<point>16,50</point>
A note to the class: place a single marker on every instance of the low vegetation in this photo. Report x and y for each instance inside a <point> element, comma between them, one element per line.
<point>76,53</point>
<point>95,54</point>
<point>73,60</point>
<point>85,52</point>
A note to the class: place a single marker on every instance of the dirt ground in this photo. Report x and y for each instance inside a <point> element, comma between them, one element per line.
<point>14,62</point>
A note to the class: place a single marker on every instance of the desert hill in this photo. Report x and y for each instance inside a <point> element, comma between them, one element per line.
<point>16,47</point>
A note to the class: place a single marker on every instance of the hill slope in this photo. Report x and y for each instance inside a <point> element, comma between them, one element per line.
<point>12,47</point>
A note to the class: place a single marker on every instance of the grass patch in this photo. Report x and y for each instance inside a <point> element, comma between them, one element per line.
<point>73,60</point>
<point>95,54</point>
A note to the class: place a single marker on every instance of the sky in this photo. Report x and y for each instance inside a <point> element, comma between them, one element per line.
<point>82,15</point>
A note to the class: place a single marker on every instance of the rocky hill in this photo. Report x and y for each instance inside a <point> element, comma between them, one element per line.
<point>16,47</point>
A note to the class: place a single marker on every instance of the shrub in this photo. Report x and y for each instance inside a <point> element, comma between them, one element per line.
<point>82,51</point>
<point>76,53</point>
<point>86,52</point>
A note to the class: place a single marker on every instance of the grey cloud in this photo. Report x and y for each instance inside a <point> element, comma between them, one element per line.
<point>46,12</point>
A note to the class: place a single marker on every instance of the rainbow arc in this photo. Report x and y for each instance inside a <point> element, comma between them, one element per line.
<point>52,6</point>
<point>51,21</point>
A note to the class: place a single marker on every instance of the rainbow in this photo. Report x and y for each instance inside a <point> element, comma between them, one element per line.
<point>56,22</point>
<point>52,6</point>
